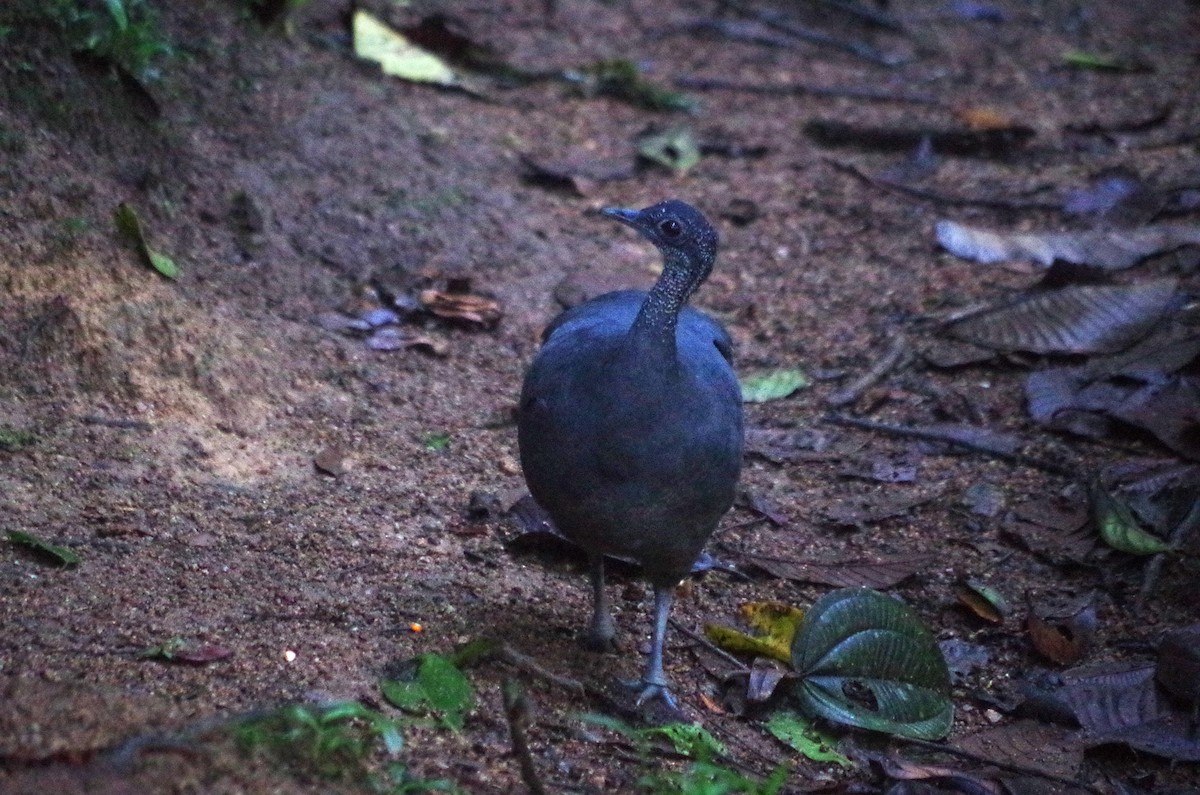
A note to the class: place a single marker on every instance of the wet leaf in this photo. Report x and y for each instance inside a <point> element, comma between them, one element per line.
<point>870,508</point>
<point>674,148</point>
<point>437,687</point>
<point>772,385</point>
<point>982,600</point>
<point>186,651</point>
<point>129,225</point>
<point>798,732</point>
<point>880,573</point>
<point>1078,319</point>
<point>866,660</point>
<point>1063,633</point>
<point>60,554</point>
<point>776,623</point>
<point>396,55</point>
<point>1110,249</point>
<point>1118,526</point>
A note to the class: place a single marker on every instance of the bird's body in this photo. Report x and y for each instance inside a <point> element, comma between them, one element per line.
<point>630,425</point>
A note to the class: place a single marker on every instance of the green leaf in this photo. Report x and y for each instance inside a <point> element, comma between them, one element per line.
<point>1118,526</point>
<point>772,385</point>
<point>690,739</point>
<point>64,556</point>
<point>1103,63</point>
<point>438,688</point>
<point>436,442</point>
<point>129,225</point>
<point>13,439</point>
<point>675,148</point>
<point>866,660</point>
<point>116,9</point>
<point>621,78</point>
<point>798,732</point>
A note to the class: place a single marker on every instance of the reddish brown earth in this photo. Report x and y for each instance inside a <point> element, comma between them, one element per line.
<point>174,423</point>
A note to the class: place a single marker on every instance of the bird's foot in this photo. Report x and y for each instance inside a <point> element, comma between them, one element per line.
<point>652,691</point>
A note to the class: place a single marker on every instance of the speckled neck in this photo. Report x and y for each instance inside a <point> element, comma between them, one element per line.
<point>654,328</point>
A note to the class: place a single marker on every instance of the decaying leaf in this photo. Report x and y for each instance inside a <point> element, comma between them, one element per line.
<point>1113,249</point>
<point>129,225</point>
<point>674,148</point>
<point>331,461</point>
<point>396,55</point>
<point>776,623</point>
<point>870,508</point>
<point>475,310</point>
<point>982,600</point>
<point>783,445</point>
<point>1052,750</point>
<point>1080,319</point>
<point>879,573</point>
<point>1063,633</point>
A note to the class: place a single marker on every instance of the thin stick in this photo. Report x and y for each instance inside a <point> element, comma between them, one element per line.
<point>706,643</point>
<point>516,709</point>
<point>939,198</point>
<point>896,353</point>
<point>808,89</point>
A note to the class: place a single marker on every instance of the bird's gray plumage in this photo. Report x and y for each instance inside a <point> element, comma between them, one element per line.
<point>630,422</point>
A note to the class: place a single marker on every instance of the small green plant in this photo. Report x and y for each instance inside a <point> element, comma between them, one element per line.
<point>330,742</point>
<point>125,33</point>
<point>705,775</point>
<point>435,687</point>
<point>13,439</point>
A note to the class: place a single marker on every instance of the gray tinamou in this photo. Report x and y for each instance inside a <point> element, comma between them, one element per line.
<point>630,425</point>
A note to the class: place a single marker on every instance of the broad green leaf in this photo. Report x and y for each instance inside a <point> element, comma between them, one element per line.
<point>396,55</point>
<point>690,739</point>
<point>772,385</point>
<point>116,9</point>
<point>438,687</point>
<point>866,660</point>
<point>130,225</point>
<point>1118,526</point>
<point>63,555</point>
<point>798,732</point>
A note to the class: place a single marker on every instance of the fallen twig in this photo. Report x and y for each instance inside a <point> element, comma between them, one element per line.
<point>940,198</point>
<point>706,643</point>
<point>891,359</point>
<point>516,709</point>
<point>938,435</point>
<point>809,89</point>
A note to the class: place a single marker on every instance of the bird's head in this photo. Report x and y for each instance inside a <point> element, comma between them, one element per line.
<point>679,230</point>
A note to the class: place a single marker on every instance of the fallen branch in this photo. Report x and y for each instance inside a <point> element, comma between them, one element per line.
<point>891,359</point>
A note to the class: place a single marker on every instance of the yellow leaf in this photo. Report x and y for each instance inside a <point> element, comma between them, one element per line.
<point>396,55</point>
<point>776,621</point>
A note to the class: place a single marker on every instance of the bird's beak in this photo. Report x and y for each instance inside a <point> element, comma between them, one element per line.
<point>622,214</point>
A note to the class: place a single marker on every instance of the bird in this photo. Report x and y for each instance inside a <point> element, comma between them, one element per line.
<point>629,425</point>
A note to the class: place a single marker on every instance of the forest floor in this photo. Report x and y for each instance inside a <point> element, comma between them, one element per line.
<point>249,482</point>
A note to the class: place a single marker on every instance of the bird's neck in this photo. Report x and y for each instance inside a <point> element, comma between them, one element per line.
<point>653,331</point>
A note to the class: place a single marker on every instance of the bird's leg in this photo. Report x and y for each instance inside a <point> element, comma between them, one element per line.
<point>654,682</point>
<point>601,631</point>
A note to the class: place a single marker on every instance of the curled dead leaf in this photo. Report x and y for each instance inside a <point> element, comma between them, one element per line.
<point>475,310</point>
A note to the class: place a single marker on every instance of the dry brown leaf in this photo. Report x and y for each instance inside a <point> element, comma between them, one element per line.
<point>469,308</point>
<point>1111,249</point>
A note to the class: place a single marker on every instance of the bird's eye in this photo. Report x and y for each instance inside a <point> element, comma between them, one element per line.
<point>671,228</point>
